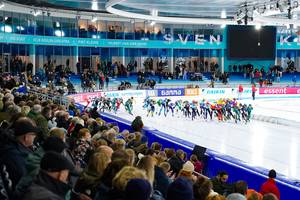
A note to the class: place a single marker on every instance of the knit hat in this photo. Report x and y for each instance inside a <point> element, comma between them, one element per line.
<point>236,196</point>
<point>23,126</point>
<point>55,162</point>
<point>180,189</point>
<point>138,189</point>
<point>54,143</point>
<point>188,166</point>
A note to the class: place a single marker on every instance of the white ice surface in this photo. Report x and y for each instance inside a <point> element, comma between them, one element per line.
<point>257,143</point>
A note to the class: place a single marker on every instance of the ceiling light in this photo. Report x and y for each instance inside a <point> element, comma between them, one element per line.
<point>36,13</point>
<point>57,24</point>
<point>223,25</point>
<point>20,28</point>
<point>154,12</point>
<point>5,18</point>
<point>258,26</point>
<point>95,5</point>
<point>59,33</point>
<point>223,14</point>
<point>2,5</point>
<point>152,23</point>
<point>6,29</point>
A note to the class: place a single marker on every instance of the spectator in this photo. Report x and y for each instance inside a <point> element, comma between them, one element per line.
<point>90,178</point>
<point>240,91</point>
<point>13,153</point>
<point>82,146</point>
<point>270,185</point>
<point>197,164</point>
<point>121,179</point>
<point>202,188</point>
<point>216,197</point>
<point>33,161</point>
<point>269,196</point>
<point>219,182</point>
<point>147,163</point>
<point>253,195</point>
<point>139,189</point>
<point>162,181</point>
<point>177,161</point>
<point>137,124</point>
<point>51,182</point>
<point>187,171</point>
<point>241,187</point>
<point>180,189</point>
<point>253,88</point>
<point>236,196</point>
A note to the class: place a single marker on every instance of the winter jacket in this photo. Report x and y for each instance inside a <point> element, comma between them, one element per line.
<point>161,181</point>
<point>32,167</point>
<point>45,187</point>
<point>176,164</point>
<point>13,155</point>
<point>270,187</point>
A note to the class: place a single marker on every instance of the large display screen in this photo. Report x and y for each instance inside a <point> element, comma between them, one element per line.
<point>247,42</point>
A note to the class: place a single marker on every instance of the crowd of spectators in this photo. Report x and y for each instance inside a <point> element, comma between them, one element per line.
<point>49,151</point>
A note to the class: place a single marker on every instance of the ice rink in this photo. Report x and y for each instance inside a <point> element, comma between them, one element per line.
<point>257,143</point>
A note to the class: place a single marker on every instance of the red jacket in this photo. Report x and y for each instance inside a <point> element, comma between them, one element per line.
<point>241,89</point>
<point>253,88</point>
<point>270,187</point>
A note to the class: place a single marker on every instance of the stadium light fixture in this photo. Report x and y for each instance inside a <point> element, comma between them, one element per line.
<point>258,26</point>
<point>223,25</point>
<point>154,12</point>
<point>152,23</point>
<point>95,5</point>
<point>36,13</point>
<point>223,14</point>
<point>2,5</point>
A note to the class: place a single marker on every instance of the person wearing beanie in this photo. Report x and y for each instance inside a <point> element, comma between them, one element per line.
<point>14,152</point>
<point>180,189</point>
<point>138,189</point>
<point>33,161</point>
<point>270,185</point>
<point>51,182</point>
<point>236,196</point>
<point>187,171</point>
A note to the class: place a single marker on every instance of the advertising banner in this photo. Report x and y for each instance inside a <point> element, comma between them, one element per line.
<point>126,94</point>
<point>191,92</point>
<point>278,91</point>
<point>151,93</point>
<point>170,92</point>
<point>83,97</point>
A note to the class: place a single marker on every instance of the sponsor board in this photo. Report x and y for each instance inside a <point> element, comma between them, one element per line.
<point>151,93</point>
<point>192,92</point>
<point>279,91</point>
<point>83,97</point>
<point>170,92</point>
<point>125,94</point>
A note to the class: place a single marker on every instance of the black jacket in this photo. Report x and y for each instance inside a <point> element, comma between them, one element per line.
<point>161,181</point>
<point>13,155</point>
<point>176,164</point>
<point>45,187</point>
